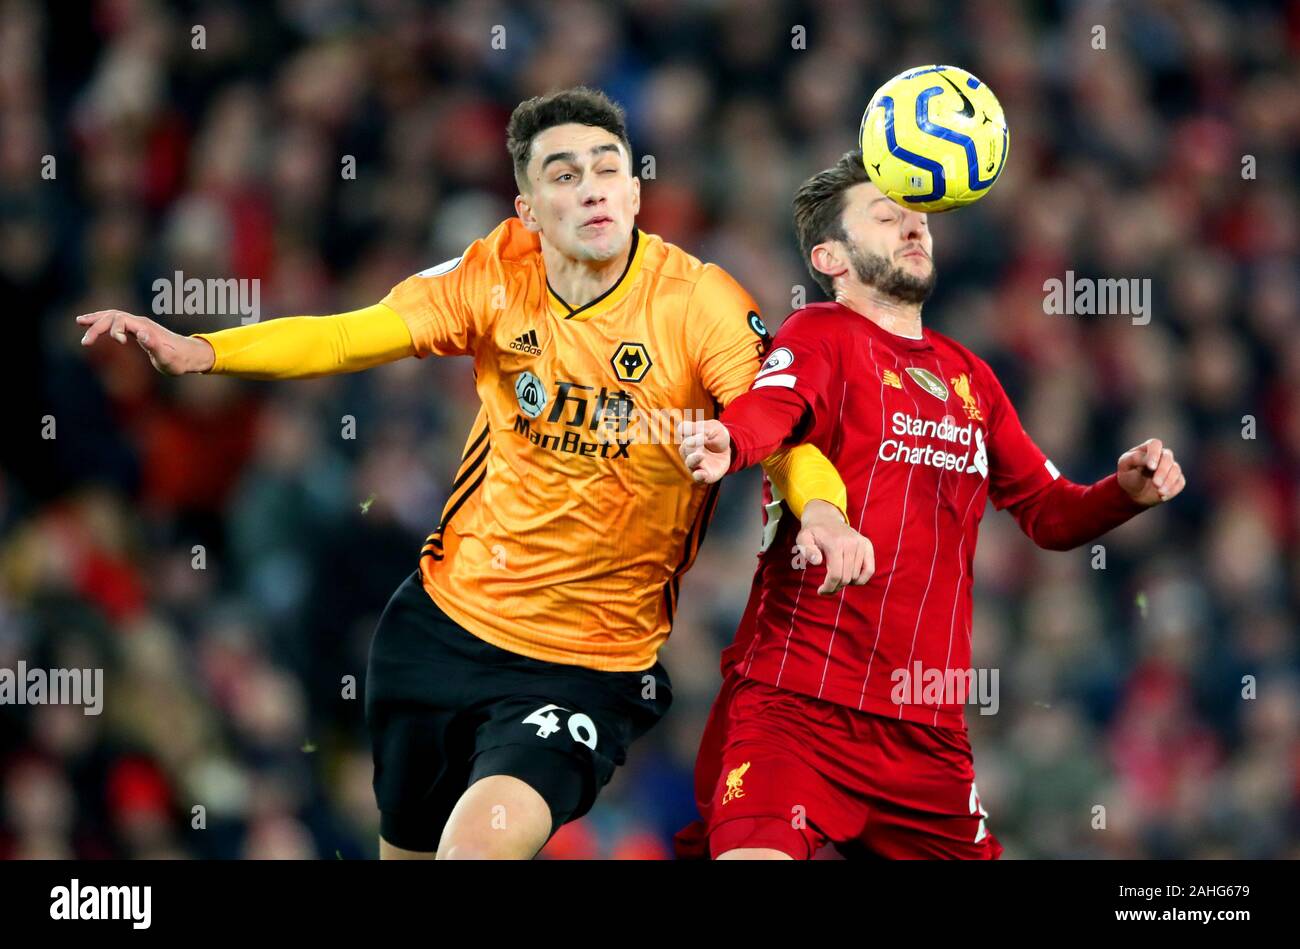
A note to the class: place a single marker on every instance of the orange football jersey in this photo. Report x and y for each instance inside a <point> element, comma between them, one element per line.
<point>572,518</point>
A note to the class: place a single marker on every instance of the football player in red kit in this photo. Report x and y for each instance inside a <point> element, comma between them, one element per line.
<point>841,719</point>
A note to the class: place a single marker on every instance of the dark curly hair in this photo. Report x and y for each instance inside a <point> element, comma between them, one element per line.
<point>580,105</point>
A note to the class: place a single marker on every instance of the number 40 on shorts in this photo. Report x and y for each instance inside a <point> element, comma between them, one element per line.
<point>581,728</point>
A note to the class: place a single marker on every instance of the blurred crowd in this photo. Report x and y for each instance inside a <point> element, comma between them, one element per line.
<point>223,551</point>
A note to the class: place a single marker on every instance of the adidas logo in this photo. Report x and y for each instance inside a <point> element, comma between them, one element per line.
<point>527,344</point>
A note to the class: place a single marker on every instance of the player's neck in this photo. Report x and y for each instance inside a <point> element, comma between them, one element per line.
<point>578,282</point>
<point>901,319</point>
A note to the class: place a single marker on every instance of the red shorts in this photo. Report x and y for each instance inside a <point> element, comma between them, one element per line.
<point>782,770</point>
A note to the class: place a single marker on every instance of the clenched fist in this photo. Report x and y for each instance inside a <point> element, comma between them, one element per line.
<point>1149,474</point>
<point>706,449</point>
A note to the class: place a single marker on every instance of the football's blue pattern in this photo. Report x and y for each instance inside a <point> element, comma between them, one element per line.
<point>934,138</point>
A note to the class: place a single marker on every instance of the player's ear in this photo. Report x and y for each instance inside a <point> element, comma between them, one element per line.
<point>827,258</point>
<point>525,212</point>
<point>636,195</point>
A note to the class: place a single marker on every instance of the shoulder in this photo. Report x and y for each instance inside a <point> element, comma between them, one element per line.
<point>667,260</point>
<point>512,243</point>
<point>675,266</point>
<point>704,296</point>
<point>507,246</point>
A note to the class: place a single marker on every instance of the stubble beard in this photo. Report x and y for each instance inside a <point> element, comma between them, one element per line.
<point>894,282</point>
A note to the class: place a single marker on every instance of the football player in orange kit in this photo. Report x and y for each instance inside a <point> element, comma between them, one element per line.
<point>510,673</point>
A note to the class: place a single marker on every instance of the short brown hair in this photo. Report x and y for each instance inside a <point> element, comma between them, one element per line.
<point>581,105</point>
<point>819,209</point>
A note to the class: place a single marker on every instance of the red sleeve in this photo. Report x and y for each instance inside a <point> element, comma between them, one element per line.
<point>759,422</point>
<point>790,392</point>
<point>1064,515</point>
<point>1017,467</point>
<point>1054,512</point>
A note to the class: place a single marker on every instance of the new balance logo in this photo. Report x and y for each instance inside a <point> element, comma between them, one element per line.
<point>527,344</point>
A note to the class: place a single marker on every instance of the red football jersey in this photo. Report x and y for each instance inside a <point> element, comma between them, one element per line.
<point>922,433</point>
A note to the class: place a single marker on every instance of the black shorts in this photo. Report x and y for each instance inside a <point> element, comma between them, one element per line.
<point>446,708</point>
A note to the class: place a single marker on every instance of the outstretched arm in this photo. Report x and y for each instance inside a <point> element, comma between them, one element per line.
<point>1056,513</point>
<point>430,313</point>
<point>750,429</point>
<point>786,400</point>
<point>728,334</point>
<point>1064,514</point>
<point>294,347</point>
<point>756,423</point>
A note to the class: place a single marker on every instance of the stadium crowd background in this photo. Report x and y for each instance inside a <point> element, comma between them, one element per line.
<point>1120,687</point>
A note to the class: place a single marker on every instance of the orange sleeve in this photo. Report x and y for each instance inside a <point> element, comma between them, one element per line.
<point>438,305</point>
<point>725,333</point>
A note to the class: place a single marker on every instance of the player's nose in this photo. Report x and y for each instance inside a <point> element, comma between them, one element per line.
<point>590,191</point>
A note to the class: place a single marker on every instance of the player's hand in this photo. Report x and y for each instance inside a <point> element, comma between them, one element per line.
<point>706,449</point>
<point>1149,474</point>
<point>825,537</point>
<point>170,353</point>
